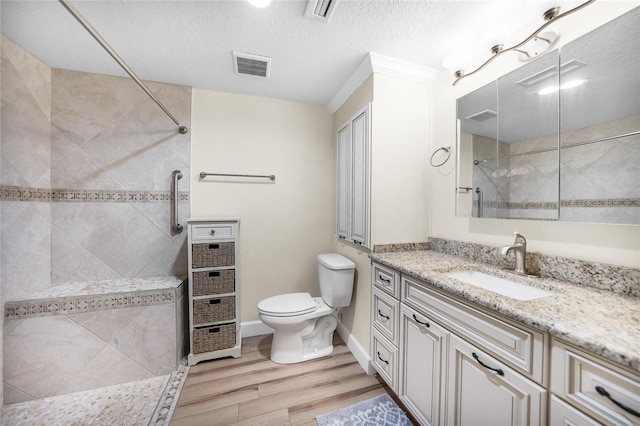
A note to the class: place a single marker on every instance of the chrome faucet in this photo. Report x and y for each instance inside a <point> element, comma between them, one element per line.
<point>519,248</point>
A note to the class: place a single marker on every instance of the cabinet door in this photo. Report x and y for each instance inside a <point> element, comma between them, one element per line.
<point>360,177</point>
<point>344,182</point>
<point>422,366</point>
<point>483,391</point>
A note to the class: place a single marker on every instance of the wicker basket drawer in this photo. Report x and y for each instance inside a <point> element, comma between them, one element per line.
<point>214,282</point>
<point>214,309</point>
<point>213,254</point>
<point>214,338</point>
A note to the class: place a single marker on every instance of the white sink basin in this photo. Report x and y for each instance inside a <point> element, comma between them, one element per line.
<point>499,285</point>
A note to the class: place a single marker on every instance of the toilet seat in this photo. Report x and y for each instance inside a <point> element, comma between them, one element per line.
<point>288,305</point>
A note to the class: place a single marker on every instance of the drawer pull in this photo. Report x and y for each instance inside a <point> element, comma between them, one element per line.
<point>214,301</point>
<point>383,315</point>
<point>381,278</point>
<point>602,391</point>
<point>214,330</point>
<point>214,274</point>
<point>214,246</point>
<point>213,232</point>
<point>497,370</point>
<point>426,324</point>
<point>383,360</point>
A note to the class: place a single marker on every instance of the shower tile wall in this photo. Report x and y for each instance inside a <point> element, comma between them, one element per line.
<point>112,154</point>
<point>25,160</point>
<point>25,228</point>
<point>85,168</point>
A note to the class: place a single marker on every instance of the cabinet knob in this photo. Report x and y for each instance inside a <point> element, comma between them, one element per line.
<point>213,232</point>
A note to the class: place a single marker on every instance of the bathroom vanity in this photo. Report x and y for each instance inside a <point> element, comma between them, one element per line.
<point>455,353</point>
<point>214,303</point>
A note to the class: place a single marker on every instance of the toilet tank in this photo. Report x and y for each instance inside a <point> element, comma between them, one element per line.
<point>336,274</point>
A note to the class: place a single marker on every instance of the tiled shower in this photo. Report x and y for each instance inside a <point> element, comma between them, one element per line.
<point>598,182</point>
<point>86,163</point>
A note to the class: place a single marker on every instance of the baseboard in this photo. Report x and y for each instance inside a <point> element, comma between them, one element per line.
<point>255,328</point>
<point>361,354</point>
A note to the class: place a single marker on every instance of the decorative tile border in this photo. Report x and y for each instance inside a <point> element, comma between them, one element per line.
<point>89,303</point>
<point>608,202</point>
<point>169,399</point>
<point>18,193</point>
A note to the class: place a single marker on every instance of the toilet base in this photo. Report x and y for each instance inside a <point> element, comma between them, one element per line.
<point>315,340</point>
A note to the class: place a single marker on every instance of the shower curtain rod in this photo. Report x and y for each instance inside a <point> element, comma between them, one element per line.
<point>118,59</point>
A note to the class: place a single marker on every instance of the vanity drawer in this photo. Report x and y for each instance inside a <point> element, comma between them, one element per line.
<point>386,279</point>
<point>384,357</point>
<point>581,380</point>
<point>520,347</point>
<point>385,314</point>
<point>218,231</point>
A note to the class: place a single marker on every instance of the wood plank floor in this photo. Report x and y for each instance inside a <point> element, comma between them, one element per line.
<point>253,390</point>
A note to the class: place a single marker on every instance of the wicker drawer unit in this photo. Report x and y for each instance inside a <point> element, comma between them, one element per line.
<point>214,323</point>
<point>214,338</point>
<point>214,282</point>
<point>214,310</point>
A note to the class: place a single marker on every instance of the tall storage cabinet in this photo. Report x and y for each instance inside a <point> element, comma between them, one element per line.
<point>353,148</point>
<point>214,296</point>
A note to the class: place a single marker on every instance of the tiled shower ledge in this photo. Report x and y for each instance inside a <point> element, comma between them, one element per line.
<point>90,296</point>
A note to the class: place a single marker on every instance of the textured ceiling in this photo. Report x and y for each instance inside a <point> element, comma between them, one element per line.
<point>190,42</point>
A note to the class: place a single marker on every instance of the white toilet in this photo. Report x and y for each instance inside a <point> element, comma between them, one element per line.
<point>304,325</point>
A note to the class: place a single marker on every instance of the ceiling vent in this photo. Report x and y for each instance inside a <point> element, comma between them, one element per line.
<point>246,63</point>
<point>320,9</point>
<point>550,72</point>
<point>482,115</point>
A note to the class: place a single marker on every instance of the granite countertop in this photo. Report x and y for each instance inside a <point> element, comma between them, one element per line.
<point>599,321</point>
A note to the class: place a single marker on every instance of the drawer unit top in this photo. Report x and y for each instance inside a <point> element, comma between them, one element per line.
<point>213,231</point>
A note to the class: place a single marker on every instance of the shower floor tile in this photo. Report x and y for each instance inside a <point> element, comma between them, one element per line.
<point>127,404</point>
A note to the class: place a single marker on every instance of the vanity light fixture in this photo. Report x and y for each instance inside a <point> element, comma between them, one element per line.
<point>538,43</point>
<point>259,3</point>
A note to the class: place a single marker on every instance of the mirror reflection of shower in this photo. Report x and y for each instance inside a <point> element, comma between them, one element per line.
<point>480,202</point>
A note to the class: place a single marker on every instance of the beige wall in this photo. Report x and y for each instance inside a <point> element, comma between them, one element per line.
<point>616,244</point>
<point>283,225</point>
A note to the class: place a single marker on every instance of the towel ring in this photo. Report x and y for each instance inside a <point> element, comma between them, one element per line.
<point>446,149</point>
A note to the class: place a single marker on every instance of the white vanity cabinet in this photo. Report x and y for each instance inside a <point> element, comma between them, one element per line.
<point>457,364</point>
<point>353,174</point>
<point>588,390</point>
<point>484,391</point>
<point>423,353</point>
<point>214,296</point>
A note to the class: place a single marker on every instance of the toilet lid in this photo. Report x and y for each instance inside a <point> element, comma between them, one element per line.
<point>288,304</point>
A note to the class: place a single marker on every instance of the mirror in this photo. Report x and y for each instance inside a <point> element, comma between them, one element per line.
<point>558,138</point>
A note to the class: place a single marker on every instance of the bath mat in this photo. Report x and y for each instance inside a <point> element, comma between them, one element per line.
<point>378,411</point>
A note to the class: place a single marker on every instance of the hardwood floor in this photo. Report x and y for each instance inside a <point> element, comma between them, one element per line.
<point>252,390</point>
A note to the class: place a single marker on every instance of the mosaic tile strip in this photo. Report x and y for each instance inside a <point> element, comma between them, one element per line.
<point>169,399</point>
<point>617,279</point>
<point>91,303</point>
<point>608,202</point>
<point>17,193</point>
